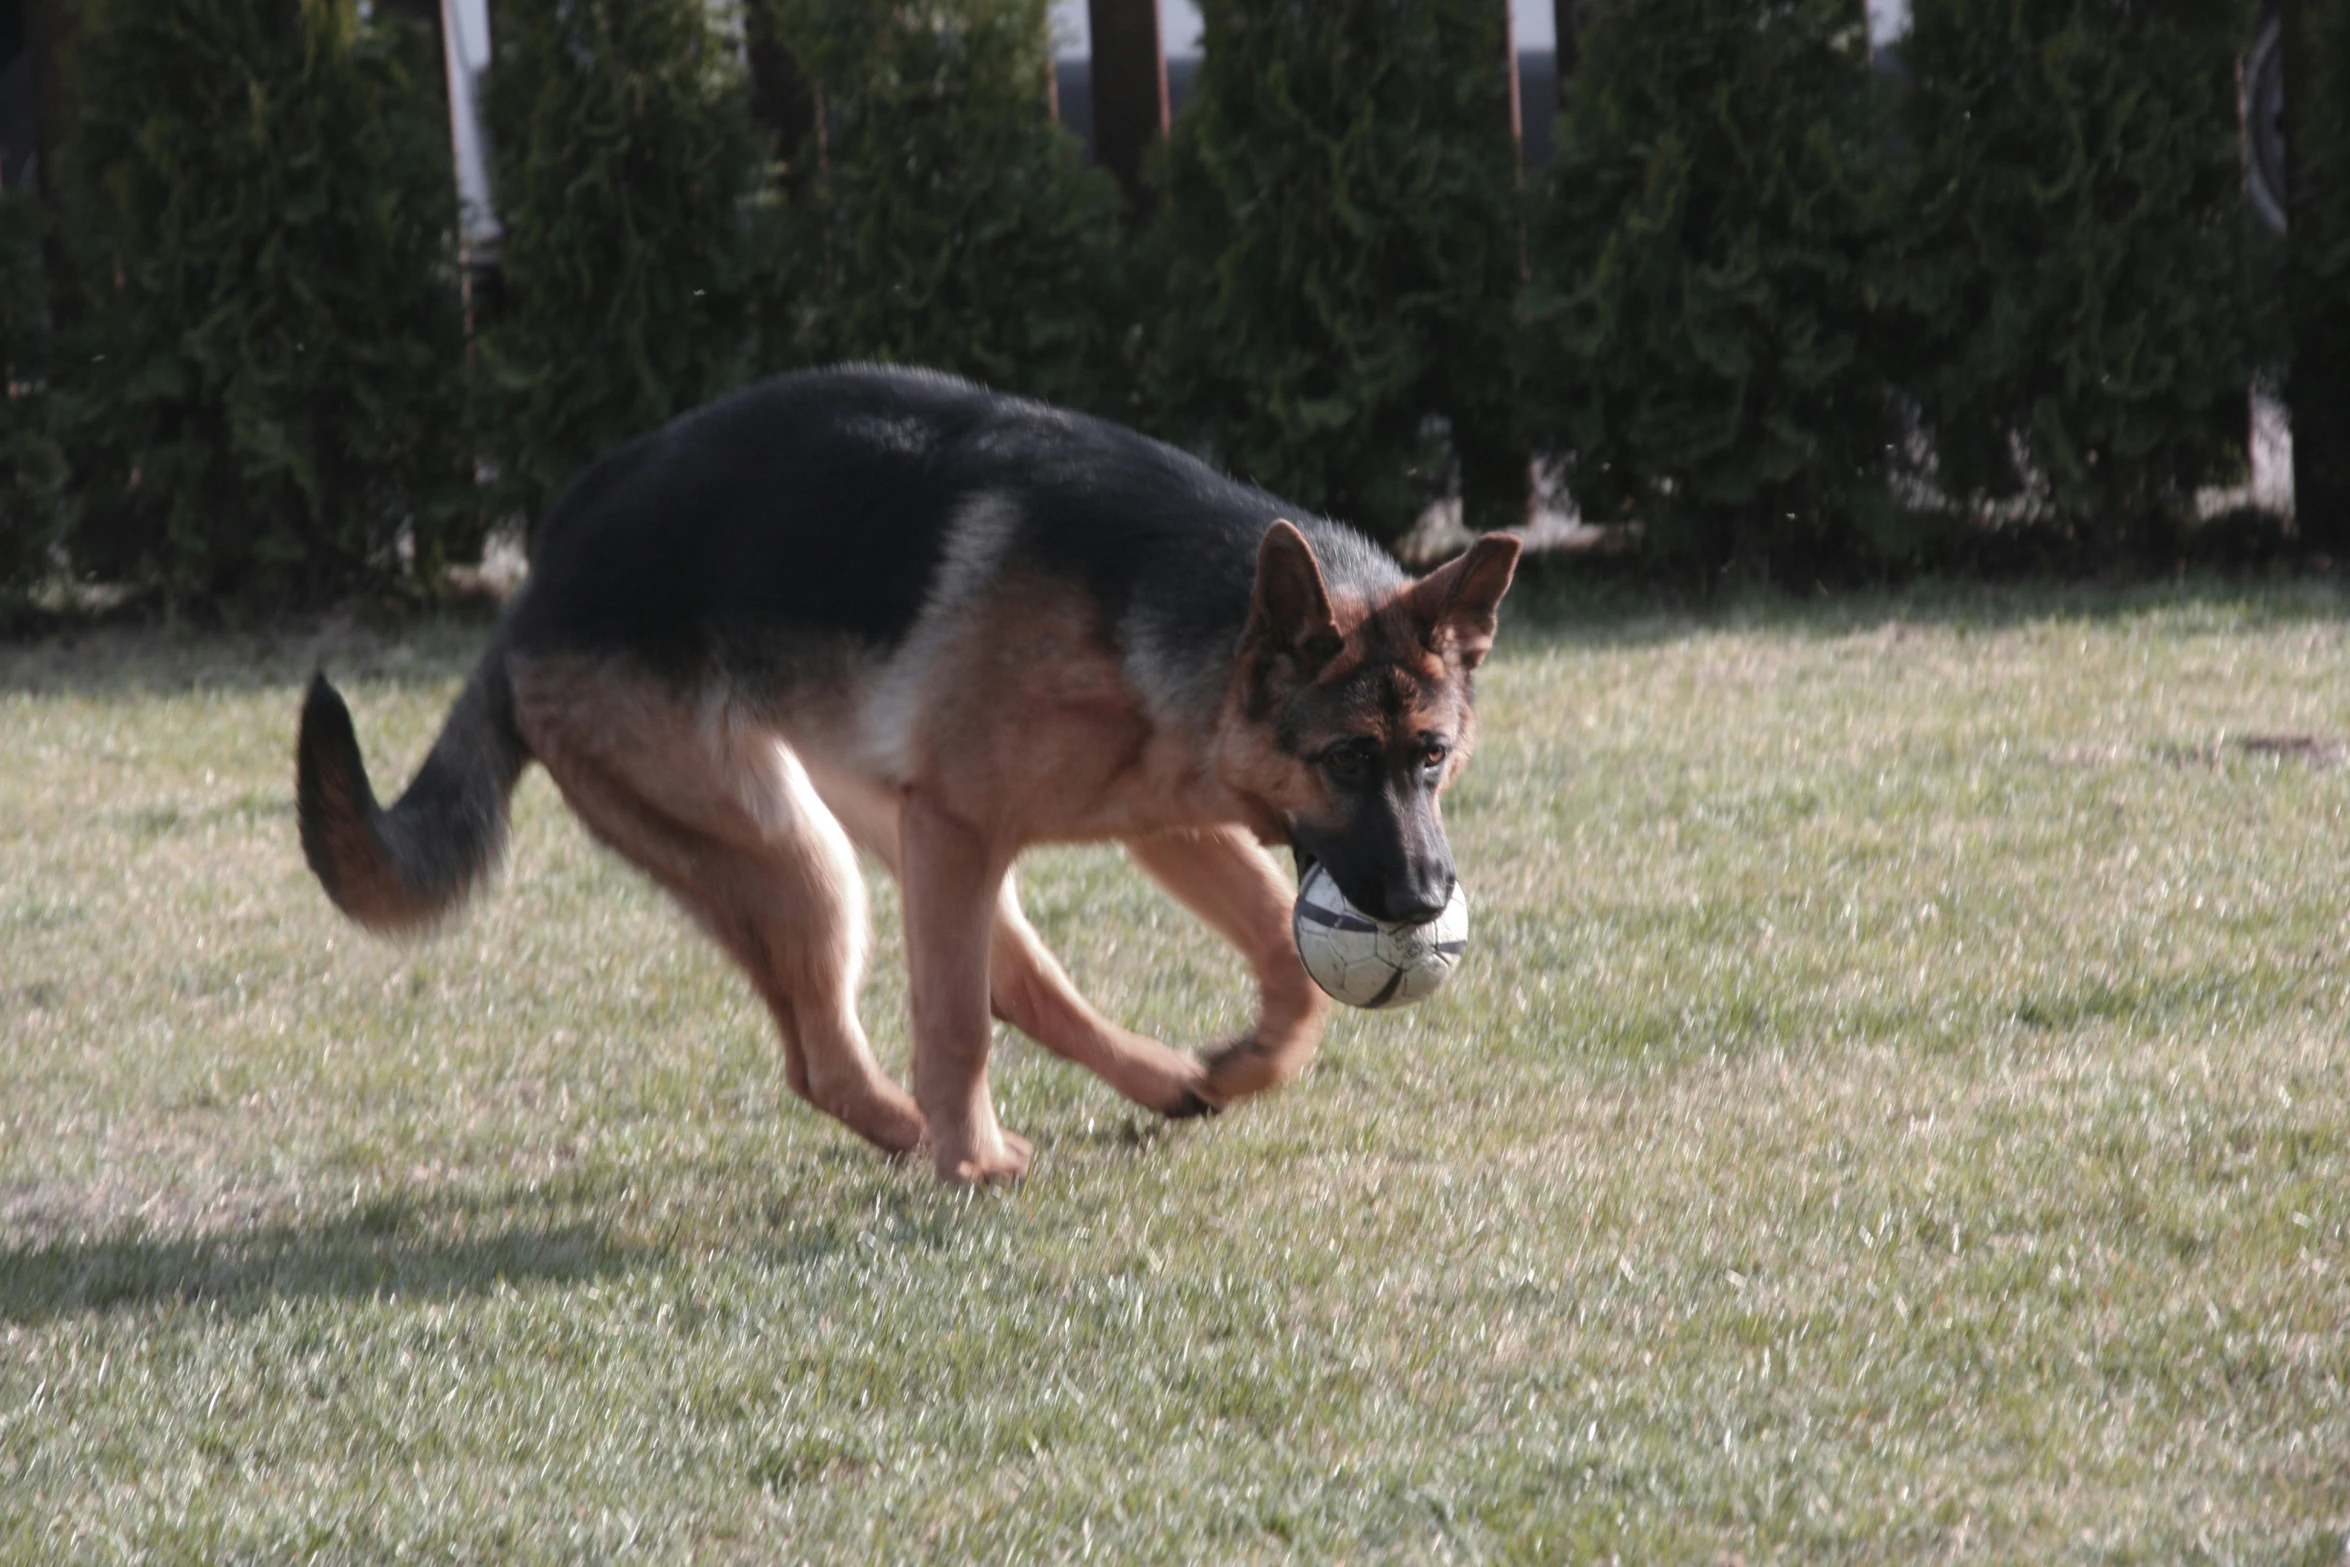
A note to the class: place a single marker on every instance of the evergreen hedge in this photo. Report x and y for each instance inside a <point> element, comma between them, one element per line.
<point>30,470</point>
<point>263,401</point>
<point>1771,293</point>
<point>947,222</point>
<point>1336,256</point>
<point>1700,337</point>
<point>2319,283</point>
<point>2070,259</point>
<point>1764,292</point>
<point>624,155</point>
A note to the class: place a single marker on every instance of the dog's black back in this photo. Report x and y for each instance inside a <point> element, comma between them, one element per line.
<point>827,501</point>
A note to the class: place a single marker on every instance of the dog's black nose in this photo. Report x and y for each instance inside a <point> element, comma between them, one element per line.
<point>1416,902</point>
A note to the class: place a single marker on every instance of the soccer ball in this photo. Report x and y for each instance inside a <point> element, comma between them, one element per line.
<point>1367,963</point>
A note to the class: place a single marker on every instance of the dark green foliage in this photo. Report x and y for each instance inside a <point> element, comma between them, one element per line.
<point>1766,286</point>
<point>31,471</point>
<point>948,222</point>
<point>262,395</point>
<point>2318,390</point>
<point>1699,331</point>
<point>1337,256</point>
<point>624,155</point>
<point>2071,258</point>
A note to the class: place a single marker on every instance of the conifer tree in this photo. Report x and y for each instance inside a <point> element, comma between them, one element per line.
<point>2318,281</point>
<point>264,399</point>
<point>1336,256</point>
<point>30,468</point>
<point>2071,256</point>
<point>1699,340</point>
<point>945,221</point>
<point>624,154</point>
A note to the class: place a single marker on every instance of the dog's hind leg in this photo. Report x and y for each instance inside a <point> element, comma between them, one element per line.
<point>719,812</point>
<point>1222,875</point>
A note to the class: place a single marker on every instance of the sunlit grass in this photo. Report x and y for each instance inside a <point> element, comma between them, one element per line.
<point>1894,1108</point>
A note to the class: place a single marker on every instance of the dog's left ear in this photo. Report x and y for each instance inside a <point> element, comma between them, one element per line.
<point>1455,604</point>
<point>1290,609</point>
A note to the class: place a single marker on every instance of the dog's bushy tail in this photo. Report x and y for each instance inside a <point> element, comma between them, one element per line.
<point>406,867</point>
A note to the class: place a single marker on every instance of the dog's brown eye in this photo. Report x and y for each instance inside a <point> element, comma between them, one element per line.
<point>1346,760</point>
<point>1436,753</point>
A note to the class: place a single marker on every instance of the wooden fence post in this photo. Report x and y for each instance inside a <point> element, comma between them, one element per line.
<point>49,26</point>
<point>1564,22</point>
<point>783,105</point>
<point>1129,90</point>
<point>1509,60</point>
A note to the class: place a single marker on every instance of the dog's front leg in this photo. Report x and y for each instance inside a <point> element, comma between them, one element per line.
<point>1221,874</point>
<point>951,875</point>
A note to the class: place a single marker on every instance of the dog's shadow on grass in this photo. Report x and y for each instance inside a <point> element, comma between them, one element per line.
<point>461,1241</point>
<point>394,1248</point>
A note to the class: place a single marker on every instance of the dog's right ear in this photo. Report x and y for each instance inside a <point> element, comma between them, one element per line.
<point>1290,614</point>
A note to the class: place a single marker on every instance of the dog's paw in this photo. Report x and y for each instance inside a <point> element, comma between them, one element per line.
<point>1189,1095</point>
<point>1248,1065</point>
<point>1192,1105</point>
<point>1001,1165</point>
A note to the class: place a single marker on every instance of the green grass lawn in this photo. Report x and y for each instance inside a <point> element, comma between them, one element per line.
<point>1894,1108</point>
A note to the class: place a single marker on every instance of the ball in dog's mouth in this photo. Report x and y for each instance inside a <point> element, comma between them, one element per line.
<point>1370,963</point>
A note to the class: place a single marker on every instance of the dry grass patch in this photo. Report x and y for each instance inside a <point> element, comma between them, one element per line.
<point>1894,1108</point>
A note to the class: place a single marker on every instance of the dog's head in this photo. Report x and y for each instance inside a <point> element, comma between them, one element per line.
<point>1347,719</point>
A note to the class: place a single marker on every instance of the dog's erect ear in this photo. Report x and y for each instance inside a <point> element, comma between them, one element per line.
<point>1291,611</point>
<point>1455,604</point>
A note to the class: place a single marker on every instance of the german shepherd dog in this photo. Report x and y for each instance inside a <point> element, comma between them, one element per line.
<point>889,610</point>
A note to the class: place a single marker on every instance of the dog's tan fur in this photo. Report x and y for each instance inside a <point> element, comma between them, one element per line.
<point>1009,707</point>
<point>1031,733</point>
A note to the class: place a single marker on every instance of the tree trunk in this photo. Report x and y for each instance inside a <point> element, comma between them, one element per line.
<point>782,102</point>
<point>1129,91</point>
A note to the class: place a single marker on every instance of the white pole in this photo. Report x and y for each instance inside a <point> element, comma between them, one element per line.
<point>465,38</point>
